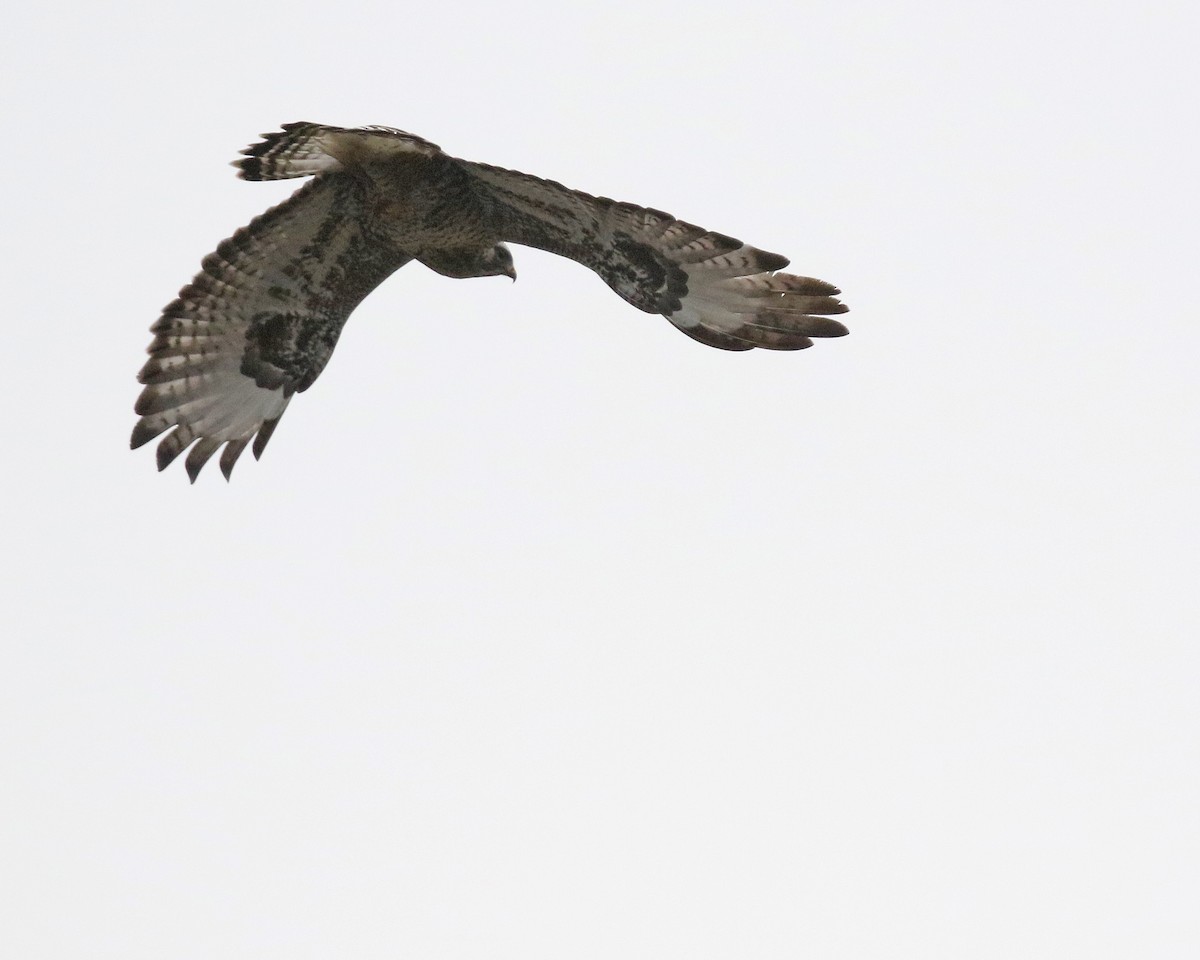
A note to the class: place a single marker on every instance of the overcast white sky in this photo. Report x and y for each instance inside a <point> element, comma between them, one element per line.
<point>541,631</point>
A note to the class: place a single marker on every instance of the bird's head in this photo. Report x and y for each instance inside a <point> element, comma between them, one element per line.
<point>499,262</point>
<point>463,262</point>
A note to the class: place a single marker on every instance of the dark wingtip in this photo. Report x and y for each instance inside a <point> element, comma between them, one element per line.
<point>233,450</point>
<point>166,453</point>
<point>824,327</point>
<point>248,168</point>
<point>200,455</point>
<point>264,435</point>
<point>771,261</point>
<point>142,434</point>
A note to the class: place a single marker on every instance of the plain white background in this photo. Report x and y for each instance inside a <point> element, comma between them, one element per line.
<point>541,631</point>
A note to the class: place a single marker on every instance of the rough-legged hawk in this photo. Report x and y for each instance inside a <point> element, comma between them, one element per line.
<point>260,321</point>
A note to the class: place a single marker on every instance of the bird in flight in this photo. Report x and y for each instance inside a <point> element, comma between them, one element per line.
<point>261,319</point>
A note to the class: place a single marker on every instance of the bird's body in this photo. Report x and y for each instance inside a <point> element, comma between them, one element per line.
<point>260,321</point>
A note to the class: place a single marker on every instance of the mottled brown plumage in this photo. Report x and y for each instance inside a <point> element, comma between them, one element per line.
<point>260,321</point>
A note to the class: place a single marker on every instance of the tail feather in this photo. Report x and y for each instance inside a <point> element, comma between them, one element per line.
<point>308,149</point>
<point>294,151</point>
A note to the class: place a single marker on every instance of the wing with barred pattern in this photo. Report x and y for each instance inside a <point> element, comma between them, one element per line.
<point>258,324</point>
<point>714,288</point>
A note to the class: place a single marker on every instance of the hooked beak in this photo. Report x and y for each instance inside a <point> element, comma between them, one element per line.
<point>511,273</point>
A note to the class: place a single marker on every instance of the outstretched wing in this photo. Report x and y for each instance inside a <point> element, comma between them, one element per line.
<point>259,323</point>
<point>714,288</point>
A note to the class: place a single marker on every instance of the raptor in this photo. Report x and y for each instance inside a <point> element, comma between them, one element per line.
<point>259,323</point>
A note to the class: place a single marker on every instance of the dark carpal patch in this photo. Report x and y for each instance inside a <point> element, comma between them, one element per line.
<point>642,275</point>
<point>287,349</point>
<point>648,263</point>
